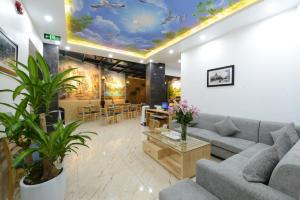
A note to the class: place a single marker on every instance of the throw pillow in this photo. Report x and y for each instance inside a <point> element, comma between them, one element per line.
<point>226,127</point>
<point>283,144</point>
<point>260,167</point>
<point>290,129</point>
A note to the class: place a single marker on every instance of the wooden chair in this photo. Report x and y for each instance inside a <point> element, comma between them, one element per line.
<point>133,109</point>
<point>84,113</point>
<point>106,115</point>
<point>118,113</point>
<point>95,112</point>
<point>127,112</point>
<point>9,177</point>
<point>139,109</point>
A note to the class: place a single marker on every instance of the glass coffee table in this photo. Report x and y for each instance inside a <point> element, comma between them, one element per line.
<point>177,157</point>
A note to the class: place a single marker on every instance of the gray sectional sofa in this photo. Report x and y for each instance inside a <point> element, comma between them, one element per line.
<point>224,180</point>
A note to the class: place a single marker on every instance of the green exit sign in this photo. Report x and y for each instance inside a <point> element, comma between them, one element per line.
<point>52,37</point>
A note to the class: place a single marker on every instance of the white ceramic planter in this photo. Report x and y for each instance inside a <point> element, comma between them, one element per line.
<point>50,190</point>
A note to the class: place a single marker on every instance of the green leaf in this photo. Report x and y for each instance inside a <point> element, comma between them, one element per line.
<point>18,91</point>
<point>43,67</point>
<point>7,90</point>
<point>40,133</point>
<point>21,107</point>
<point>25,78</point>
<point>33,69</point>
<point>12,77</point>
<point>23,155</point>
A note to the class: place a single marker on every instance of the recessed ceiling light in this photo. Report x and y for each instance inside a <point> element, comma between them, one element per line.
<point>202,37</point>
<point>67,48</point>
<point>171,51</point>
<point>110,55</point>
<point>141,61</point>
<point>48,18</point>
<point>151,61</point>
<point>179,61</point>
<point>57,42</point>
<point>270,7</point>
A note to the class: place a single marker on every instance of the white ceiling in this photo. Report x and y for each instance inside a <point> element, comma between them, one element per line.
<point>38,9</point>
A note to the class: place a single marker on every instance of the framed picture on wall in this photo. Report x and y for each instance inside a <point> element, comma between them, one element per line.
<point>8,52</point>
<point>223,76</point>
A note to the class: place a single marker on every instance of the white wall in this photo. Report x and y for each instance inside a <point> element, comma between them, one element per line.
<point>19,28</point>
<point>173,71</point>
<point>266,56</point>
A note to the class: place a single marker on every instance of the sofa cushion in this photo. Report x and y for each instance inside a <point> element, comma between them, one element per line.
<point>226,127</point>
<point>259,168</point>
<point>249,128</point>
<point>235,145</point>
<point>285,176</point>
<point>203,134</point>
<point>226,184</point>
<point>289,129</point>
<point>254,149</point>
<point>185,189</point>
<point>207,121</point>
<point>283,144</point>
<point>267,127</point>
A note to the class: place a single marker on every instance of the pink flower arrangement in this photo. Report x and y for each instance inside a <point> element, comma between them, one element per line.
<point>184,113</point>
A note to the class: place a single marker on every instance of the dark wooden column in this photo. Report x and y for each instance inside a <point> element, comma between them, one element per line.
<point>155,84</point>
<point>51,55</point>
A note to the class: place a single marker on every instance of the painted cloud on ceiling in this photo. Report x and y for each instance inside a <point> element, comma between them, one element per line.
<point>138,25</point>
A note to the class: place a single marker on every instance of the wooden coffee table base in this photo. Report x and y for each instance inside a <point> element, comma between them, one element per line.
<point>182,165</point>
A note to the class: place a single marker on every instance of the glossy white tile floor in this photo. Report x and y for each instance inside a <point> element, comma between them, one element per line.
<point>115,167</point>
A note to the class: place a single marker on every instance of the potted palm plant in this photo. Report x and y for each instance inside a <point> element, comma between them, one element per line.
<point>37,87</point>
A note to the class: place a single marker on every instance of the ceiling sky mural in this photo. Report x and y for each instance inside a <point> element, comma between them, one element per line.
<point>142,27</point>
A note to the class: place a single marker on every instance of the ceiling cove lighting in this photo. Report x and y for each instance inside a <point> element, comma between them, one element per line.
<point>74,40</point>
<point>48,18</point>
<point>68,8</point>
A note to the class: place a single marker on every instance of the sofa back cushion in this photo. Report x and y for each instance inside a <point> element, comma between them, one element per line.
<point>248,127</point>
<point>285,176</point>
<point>265,129</point>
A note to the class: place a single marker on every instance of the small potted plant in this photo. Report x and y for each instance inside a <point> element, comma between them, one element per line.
<point>44,174</point>
<point>184,115</point>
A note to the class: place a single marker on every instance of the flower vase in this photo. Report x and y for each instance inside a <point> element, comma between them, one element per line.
<point>183,132</point>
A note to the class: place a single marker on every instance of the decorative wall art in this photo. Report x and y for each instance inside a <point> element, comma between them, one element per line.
<point>141,28</point>
<point>8,52</point>
<point>89,86</point>
<point>174,89</point>
<point>115,86</point>
<point>223,76</point>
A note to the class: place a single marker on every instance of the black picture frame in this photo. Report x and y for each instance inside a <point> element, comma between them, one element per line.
<point>218,80</point>
<point>8,51</point>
